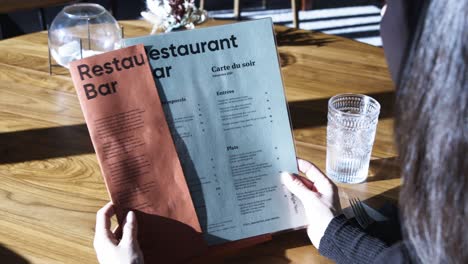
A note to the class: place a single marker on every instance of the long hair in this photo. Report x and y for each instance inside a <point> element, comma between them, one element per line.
<point>431,133</point>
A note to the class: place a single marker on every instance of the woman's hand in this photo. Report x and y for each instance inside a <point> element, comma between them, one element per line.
<point>109,249</point>
<point>319,197</point>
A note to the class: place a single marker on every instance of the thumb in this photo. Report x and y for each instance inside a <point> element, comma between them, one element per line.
<point>130,230</point>
<point>298,188</point>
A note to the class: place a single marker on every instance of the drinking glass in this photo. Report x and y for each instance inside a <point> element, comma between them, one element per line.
<point>352,122</point>
<point>82,30</point>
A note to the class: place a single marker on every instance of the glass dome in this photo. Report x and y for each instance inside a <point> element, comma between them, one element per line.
<point>83,30</point>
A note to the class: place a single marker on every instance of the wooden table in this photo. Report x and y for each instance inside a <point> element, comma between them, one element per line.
<point>51,185</point>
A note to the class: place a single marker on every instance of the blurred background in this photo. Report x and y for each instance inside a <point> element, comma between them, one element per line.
<point>354,19</point>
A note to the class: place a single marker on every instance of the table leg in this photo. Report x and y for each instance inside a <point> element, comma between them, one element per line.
<point>237,11</point>
<point>307,5</point>
<point>42,19</point>
<point>295,11</point>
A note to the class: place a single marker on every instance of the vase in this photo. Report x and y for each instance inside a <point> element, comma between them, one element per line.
<point>82,30</point>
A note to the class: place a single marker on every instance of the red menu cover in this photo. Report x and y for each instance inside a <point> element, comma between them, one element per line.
<point>136,153</point>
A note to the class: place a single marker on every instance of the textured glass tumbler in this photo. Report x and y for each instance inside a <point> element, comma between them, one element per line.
<point>352,122</point>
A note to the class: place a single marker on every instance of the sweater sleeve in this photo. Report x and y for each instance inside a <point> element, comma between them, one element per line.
<point>346,243</point>
<point>397,253</point>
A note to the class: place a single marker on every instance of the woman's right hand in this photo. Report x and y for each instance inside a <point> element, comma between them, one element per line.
<point>111,250</point>
<point>320,198</point>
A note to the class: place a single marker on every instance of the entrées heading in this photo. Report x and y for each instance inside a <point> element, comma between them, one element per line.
<point>192,48</point>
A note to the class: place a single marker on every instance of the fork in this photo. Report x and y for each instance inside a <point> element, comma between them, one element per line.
<point>363,219</point>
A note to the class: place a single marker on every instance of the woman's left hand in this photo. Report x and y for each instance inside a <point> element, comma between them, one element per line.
<point>320,198</point>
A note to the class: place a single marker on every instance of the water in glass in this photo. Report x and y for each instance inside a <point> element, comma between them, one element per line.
<point>352,121</point>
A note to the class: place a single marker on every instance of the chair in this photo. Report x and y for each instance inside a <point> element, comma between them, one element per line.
<point>294,7</point>
<point>9,6</point>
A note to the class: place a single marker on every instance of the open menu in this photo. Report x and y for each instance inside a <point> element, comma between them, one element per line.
<point>223,96</point>
<point>191,130</point>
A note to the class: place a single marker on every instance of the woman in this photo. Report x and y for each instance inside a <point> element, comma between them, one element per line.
<point>425,46</point>
<point>431,134</point>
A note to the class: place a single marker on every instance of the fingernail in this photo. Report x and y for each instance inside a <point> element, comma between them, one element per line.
<point>302,163</point>
<point>130,217</point>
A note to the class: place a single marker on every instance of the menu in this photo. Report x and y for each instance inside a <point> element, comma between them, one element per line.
<point>223,98</point>
<point>136,153</point>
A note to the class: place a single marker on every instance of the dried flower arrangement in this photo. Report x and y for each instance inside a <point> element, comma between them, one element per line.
<point>167,15</point>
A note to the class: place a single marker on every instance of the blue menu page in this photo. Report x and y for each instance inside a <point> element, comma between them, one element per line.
<point>223,98</point>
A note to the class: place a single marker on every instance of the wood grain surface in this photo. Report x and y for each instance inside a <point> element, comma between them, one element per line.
<point>51,185</point>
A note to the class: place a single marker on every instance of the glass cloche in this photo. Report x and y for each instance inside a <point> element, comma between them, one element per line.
<point>83,30</point>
